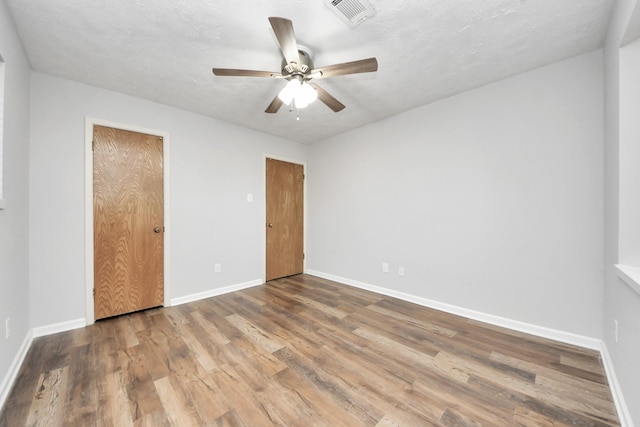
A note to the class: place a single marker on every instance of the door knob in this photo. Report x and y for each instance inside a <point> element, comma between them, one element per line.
<point>270,225</point>
<point>157,230</point>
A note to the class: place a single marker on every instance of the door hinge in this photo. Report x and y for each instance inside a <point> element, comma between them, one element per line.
<point>94,293</point>
<point>303,255</point>
<point>93,145</point>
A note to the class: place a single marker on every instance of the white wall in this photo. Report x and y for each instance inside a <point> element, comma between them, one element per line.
<point>491,200</point>
<point>629,130</point>
<point>14,232</point>
<point>621,303</point>
<point>214,165</point>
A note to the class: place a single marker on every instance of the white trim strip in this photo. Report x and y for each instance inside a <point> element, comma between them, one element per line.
<point>12,373</point>
<point>630,275</point>
<point>616,390</point>
<point>540,331</point>
<point>215,292</point>
<point>69,325</point>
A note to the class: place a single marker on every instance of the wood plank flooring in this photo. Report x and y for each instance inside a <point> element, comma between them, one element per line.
<point>304,351</point>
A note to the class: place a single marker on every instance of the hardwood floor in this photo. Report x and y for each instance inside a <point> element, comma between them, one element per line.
<point>304,351</point>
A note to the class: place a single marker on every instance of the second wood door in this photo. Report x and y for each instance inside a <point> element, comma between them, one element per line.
<point>128,221</point>
<point>285,219</point>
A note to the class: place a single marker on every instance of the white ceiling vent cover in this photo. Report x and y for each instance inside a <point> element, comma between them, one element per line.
<point>352,12</point>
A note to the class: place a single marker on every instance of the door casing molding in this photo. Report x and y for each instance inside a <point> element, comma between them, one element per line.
<point>90,122</point>
<point>264,211</point>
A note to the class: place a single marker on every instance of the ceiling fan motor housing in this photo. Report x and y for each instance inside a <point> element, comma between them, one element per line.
<point>305,66</point>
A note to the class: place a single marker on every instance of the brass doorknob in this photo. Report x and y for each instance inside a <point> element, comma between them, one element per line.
<point>157,230</point>
<point>270,225</point>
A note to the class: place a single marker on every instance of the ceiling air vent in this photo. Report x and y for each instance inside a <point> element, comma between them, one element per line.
<point>352,12</point>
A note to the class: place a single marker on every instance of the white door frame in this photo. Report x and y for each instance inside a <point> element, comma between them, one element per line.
<point>88,203</point>
<point>264,217</point>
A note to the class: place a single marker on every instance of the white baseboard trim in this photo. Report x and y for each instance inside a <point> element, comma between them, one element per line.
<point>215,292</point>
<point>540,331</point>
<point>69,325</point>
<point>616,390</point>
<point>10,377</point>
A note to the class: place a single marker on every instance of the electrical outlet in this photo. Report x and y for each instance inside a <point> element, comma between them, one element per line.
<point>385,267</point>
<point>217,268</point>
<point>401,271</point>
<point>7,329</point>
<point>616,329</point>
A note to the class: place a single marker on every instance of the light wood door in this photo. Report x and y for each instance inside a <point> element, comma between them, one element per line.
<point>285,219</point>
<point>128,221</point>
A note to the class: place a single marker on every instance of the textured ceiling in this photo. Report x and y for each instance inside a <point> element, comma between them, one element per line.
<point>163,50</point>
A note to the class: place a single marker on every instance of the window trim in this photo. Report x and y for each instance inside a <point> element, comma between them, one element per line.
<point>2,102</point>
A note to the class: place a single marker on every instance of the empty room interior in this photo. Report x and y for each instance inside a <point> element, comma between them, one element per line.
<point>347,212</point>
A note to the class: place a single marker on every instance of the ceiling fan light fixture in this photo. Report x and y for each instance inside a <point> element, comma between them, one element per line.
<point>299,103</point>
<point>290,91</point>
<point>299,92</point>
<point>307,94</point>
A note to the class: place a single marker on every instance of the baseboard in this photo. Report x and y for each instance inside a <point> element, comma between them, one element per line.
<point>10,377</point>
<point>616,390</point>
<point>540,331</point>
<point>69,325</point>
<point>215,292</point>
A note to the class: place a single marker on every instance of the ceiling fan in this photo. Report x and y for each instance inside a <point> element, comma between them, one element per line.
<point>298,69</point>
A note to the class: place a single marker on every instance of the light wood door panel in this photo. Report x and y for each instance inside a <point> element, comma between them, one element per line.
<point>285,219</point>
<point>128,221</point>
